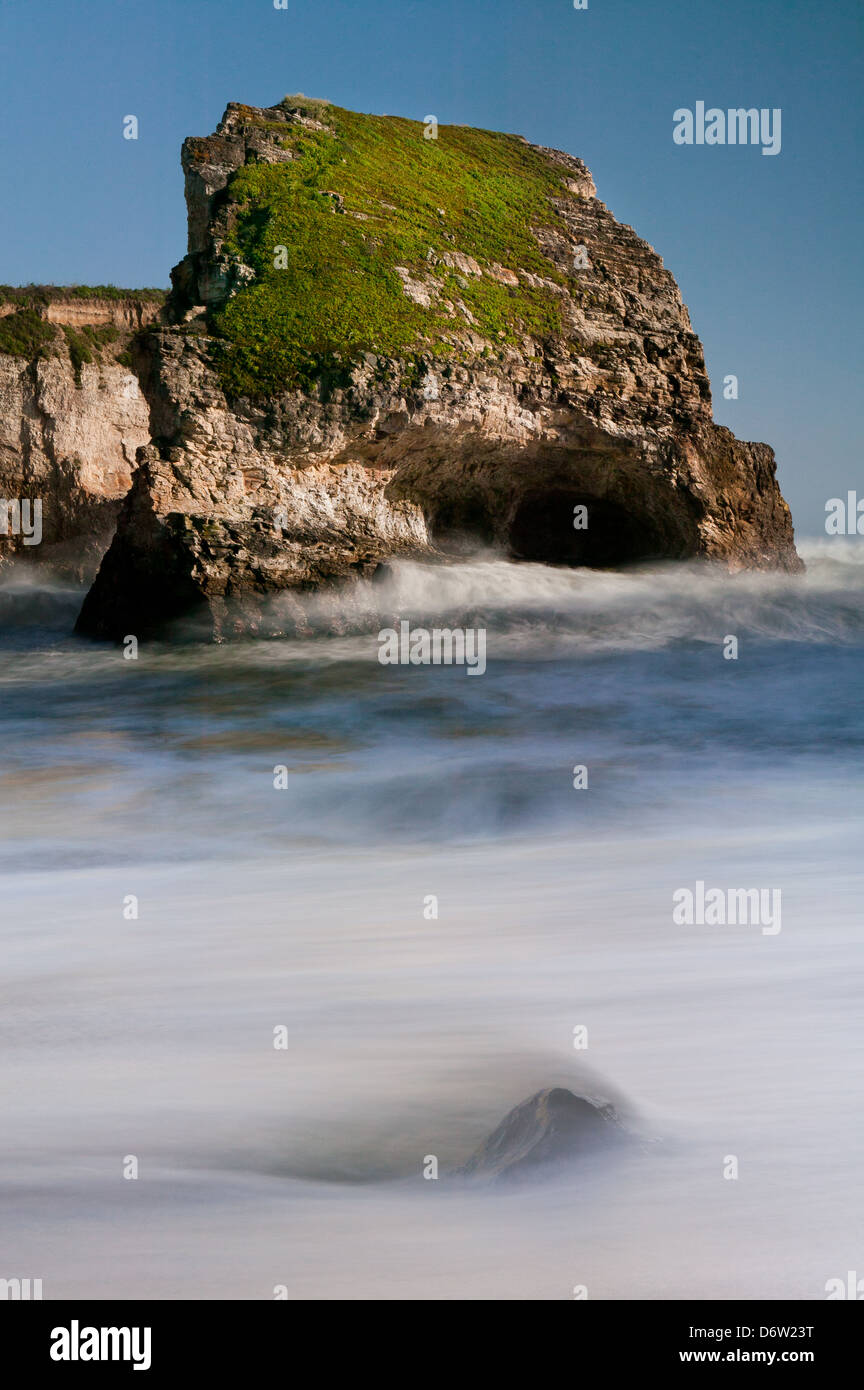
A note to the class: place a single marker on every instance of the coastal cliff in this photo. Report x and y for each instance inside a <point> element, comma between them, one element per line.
<point>72,418</point>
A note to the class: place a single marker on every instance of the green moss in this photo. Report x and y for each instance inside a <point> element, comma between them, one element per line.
<point>25,334</point>
<point>338,295</point>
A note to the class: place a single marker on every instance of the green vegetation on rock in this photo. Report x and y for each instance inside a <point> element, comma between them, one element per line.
<point>358,200</point>
<point>115,292</point>
<point>85,343</point>
<point>25,334</point>
<point>51,294</point>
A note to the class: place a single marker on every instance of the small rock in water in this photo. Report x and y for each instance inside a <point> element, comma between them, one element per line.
<point>550,1127</point>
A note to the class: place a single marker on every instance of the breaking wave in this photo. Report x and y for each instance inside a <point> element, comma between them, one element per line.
<point>541,608</point>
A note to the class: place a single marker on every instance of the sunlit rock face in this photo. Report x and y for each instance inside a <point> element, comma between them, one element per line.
<point>72,418</point>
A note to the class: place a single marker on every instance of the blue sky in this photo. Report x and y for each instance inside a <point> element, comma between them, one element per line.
<point>767,250</point>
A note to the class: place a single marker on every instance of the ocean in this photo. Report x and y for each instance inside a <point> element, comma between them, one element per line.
<point>282,992</point>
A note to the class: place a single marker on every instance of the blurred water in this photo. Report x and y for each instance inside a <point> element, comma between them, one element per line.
<point>303,908</point>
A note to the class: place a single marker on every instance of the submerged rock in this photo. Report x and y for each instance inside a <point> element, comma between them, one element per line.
<point>551,1127</point>
<point>342,377</point>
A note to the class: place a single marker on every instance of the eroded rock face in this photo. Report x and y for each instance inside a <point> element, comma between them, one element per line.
<point>68,440</point>
<point>496,434</point>
<point>551,1128</point>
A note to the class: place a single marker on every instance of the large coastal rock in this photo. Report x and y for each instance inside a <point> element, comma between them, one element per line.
<point>72,418</point>
<point>389,339</point>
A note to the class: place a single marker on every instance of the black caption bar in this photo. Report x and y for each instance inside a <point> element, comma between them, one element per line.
<point>84,1339</point>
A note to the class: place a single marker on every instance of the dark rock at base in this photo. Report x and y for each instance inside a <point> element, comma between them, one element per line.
<point>553,1126</point>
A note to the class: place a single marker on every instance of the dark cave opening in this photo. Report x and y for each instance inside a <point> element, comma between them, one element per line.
<point>461,524</point>
<point>563,527</point>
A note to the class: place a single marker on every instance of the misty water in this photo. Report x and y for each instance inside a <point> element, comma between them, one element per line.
<point>407,1036</point>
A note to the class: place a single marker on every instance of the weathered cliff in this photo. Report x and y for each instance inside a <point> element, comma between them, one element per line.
<point>72,417</point>
<point>382,343</point>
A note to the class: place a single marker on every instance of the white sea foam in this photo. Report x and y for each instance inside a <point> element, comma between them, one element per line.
<point>406,1036</point>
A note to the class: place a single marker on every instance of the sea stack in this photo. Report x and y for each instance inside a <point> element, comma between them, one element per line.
<point>387,340</point>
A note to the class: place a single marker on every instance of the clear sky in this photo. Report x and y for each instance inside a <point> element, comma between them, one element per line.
<point>767,250</point>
